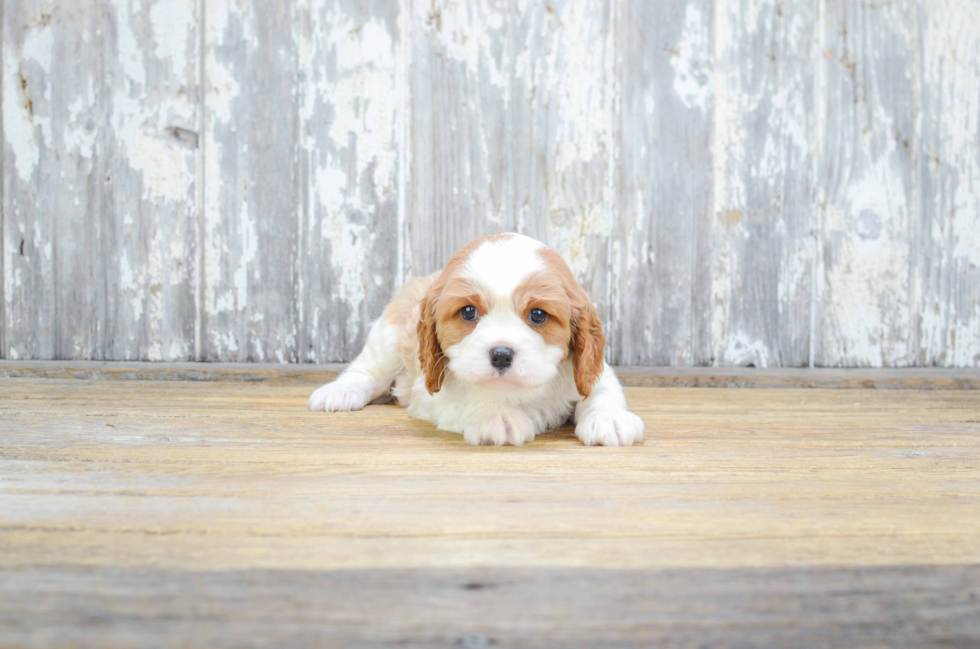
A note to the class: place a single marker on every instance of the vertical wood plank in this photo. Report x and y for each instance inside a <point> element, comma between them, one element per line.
<point>4,273</point>
<point>867,185</point>
<point>665,191</point>
<point>151,144</point>
<point>761,231</point>
<point>513,118</point>
<point>252,191</point>
<point>948,229</point>
<point>459,181</point>
<point>349,172</point>
<point>53,179</point>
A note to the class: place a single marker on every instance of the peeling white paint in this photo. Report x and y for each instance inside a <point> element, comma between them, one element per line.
<point>360,95</point>
<point>6,256</point>
<point>466,31</point>
<point>573,68</point>
<point>154,321</point>
<point>139,123</point>
<point>223,89</point>
<point>170,21</point>
<point>363,96</point>
<point>38,45</point>
<point>867,277</point>
<point>571,235</point>
<point>403,122</point>
<point>81,134</point>
<point>955,77</point>
<point>132,285</point>
<point>155,352</point>
<point>949,305</point>
<point>347,240</point>
<point>19,87</point>
<point>692,64</point>
<point>535,92</point>
<point>793,284</point>
<point>725,196</point>
<point>250,247</point>
<point>868,245</point>
<point>222,83</point>
<point>129,53</point>
<point>168,170</point>
<point>177,350</point>
<point>742,351</point>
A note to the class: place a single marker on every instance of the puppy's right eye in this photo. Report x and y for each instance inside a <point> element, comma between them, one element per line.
<point>468,313</point>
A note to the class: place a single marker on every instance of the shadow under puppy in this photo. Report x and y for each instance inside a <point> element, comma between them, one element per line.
<point>499,346</point>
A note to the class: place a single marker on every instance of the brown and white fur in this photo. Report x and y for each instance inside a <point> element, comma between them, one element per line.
<point>500,346</point>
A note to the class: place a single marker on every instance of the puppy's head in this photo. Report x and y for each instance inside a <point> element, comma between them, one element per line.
<point>503,314</point>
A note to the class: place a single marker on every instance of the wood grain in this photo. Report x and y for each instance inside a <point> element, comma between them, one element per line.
<point>301,194</point>
<point>148,243</point>
<point>893,606</point>
<point>947,244</point>
<point>761,230</point>
<point>349,141</point>
<point>512,129</point>
<point>647,377</point>
<point>659,251</point>
<point>737,182</point>
<point>3,187</point>
<point>252,178</point>
<point>867,184</point>
<point>231,475</point>
<point>170,512</point>
<point>100,170</point>
<point>54,180</point>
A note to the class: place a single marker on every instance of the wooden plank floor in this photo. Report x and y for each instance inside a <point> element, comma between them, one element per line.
<point>140,513</point>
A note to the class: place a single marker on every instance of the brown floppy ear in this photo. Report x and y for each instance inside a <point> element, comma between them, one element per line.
<point>430,351</point>
<point>589,345</point>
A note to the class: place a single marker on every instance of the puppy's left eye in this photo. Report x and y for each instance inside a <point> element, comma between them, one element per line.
<point>537,316</point>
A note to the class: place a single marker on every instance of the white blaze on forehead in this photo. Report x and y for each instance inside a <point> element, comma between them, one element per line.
<point>501,265</point>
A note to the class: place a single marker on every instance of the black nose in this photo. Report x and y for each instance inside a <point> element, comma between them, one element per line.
<point>501,357</point>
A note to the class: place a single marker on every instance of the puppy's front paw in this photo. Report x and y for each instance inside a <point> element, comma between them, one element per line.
<point>610,428</point>
<point>514,428</point>
<point>339,396</point>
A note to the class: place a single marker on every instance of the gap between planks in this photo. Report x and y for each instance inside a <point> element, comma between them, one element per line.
<point>718,377</point>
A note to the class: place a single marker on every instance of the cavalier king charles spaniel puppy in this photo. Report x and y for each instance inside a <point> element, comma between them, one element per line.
<point>499,346</point>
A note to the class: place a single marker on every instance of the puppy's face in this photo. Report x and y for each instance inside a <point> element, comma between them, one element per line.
<point>504,314</point>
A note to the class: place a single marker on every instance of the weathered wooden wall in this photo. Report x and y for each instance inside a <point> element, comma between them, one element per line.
<point>792,182</point>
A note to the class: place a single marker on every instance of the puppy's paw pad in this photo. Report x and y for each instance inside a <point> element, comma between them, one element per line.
<point>610,428</point>
<point>515,429</point>
<point>338,397</point>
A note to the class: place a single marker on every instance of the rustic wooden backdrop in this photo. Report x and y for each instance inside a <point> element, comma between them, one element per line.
<point>792,182</point>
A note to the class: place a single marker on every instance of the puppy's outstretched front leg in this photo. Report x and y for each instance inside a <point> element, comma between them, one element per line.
<point>369,377</point>
<point>601,419</point>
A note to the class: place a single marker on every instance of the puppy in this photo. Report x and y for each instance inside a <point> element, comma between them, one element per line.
<point>499,346</point>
